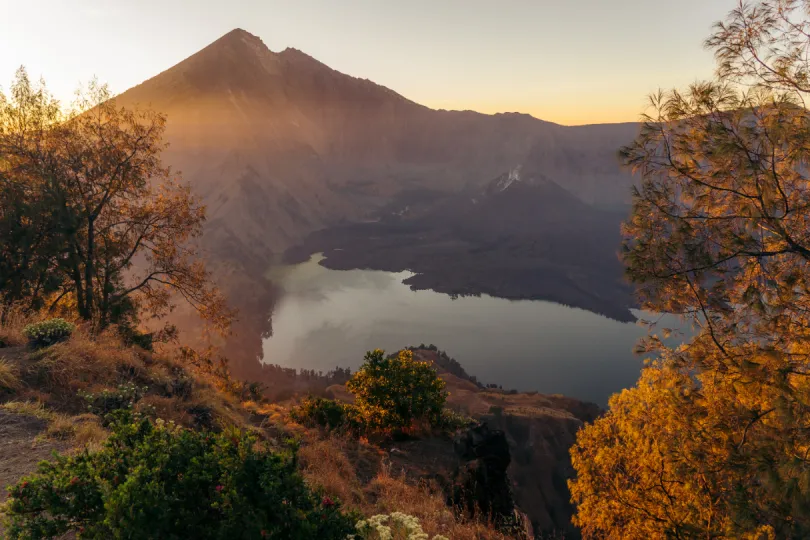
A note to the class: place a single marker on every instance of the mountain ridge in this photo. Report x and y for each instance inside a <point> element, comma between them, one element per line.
<point>280,146</point>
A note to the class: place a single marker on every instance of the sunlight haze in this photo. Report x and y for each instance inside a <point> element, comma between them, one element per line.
<point>582,62</point>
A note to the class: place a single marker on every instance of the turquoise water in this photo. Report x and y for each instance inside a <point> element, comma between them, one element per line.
<point>327,318</point>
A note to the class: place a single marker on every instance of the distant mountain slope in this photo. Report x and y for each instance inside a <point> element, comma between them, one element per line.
<point>521,236</point>
<point>280,145</point>
<point>250,127</point>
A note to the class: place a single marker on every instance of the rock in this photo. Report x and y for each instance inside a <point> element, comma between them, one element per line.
<point>481,484</point>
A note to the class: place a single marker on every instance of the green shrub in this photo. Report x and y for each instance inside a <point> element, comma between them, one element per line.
<point>452,420</point>
<point>156,480</point>
<point>392,393</point>
<point>48,332</point>
<point>327,413</point>
<point>396,526</point>
<point>107,401</point>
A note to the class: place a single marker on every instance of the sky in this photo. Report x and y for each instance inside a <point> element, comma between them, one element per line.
<point>568,61</point>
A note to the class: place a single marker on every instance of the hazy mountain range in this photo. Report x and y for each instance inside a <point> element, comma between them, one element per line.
<point>280,146</point>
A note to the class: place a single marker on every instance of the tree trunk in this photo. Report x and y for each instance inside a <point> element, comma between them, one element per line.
<point>81,305</point>
<point>88,270</point>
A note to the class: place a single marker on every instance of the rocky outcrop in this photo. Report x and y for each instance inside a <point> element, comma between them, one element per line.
<point>514,465</point>
<point>480,484</point>
<point>539,431</point>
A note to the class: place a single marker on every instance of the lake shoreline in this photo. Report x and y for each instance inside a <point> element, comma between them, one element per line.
<point>327,318</point>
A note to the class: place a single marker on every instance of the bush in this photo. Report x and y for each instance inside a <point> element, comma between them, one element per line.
<point>156,480</point>
<point>327,413</point>
<point>392,393</point>
<point>400,527</point>
<point>48,332</point>
<point>496,411</point>
<point>452,420</point>
<point>107,401</point>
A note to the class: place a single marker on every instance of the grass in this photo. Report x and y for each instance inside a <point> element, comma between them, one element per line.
<point>83,429</point>
<point>336,464</point>
<point>9,376</point>
<point>29,408</point>
<point>46,383</point>
<point>11,330</point>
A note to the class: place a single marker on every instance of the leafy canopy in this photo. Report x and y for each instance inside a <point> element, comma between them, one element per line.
<point>396,391</point>
<point>712,441</point>
<point>155,480</point>
<point>84,195</point>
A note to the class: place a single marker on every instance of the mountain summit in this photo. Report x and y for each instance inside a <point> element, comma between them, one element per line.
<point>279,145</point>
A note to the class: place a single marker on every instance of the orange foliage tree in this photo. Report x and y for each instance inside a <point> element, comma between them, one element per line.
<point>92,214</point>
<point>713,440</point>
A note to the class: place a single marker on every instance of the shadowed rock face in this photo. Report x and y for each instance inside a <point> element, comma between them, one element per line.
<point>278,145</point>
<point>480,483</point>
<point>515,463</point>
<point>538,429</point>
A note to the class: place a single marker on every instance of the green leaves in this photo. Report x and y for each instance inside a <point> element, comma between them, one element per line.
<point>393,392</point>
<point>48,332</point>
<point>156,480</point>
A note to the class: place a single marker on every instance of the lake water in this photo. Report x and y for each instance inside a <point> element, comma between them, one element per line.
<point>329,318</point>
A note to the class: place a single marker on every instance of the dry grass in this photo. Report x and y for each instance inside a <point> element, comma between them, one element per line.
<point>83,363</point>
<point>30,408</point>
<point>88,431</point>
<point>61,427</point>
<point>75,365</point>
<point>326,464</point>
<point>82,430</point>
<point>9,376</point>
<point>11,328</point>
<point>396,494</point>
<point>333,463</point>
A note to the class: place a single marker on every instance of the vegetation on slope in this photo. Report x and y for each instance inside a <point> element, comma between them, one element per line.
<point>157,440</point>
<point>157,480</point>
<point>93,392</point>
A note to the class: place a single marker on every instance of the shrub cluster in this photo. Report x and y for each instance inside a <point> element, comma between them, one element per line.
<point>451,420</point>
<point>105,402</point>
<point>391,395</point>
<point>328,413</point>
<point>156,480</point>
<point>396,526</point>
<point>48,332</point>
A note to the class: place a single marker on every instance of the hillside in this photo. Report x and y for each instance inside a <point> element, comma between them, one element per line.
<point>58,398</point>
<point>279,145</point>
<point>539,428</point>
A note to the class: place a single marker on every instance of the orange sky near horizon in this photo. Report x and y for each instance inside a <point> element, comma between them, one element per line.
<point>585,62</point>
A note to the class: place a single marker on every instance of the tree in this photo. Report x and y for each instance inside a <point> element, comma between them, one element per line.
<point>393,392</point>
<point>29,242</point>
<point>111,227</point>
<point>712,442</point>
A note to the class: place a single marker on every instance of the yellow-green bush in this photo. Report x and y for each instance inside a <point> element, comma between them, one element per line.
<point>48,332</point>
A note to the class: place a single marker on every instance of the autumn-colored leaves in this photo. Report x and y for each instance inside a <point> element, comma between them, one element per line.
<point>90,217</point>
<point>711,443</point>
